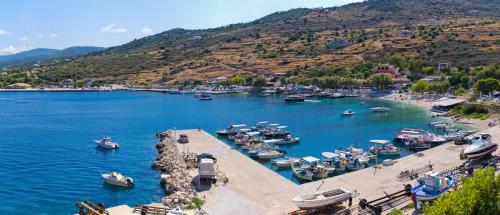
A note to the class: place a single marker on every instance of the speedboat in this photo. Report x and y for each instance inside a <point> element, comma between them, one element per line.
<point>432,186</point>
<point>322,198</point>
<point>480,147</point>
<point>347,113</point>
<point>287,140</point>
<point>230,130</point>
<point>106,143</point>
<point>433,138</point>
<point>479,138</point>
<point>269,154</point>
<point>117,179</point>
<point>380,109</point>
<point>384,147</point>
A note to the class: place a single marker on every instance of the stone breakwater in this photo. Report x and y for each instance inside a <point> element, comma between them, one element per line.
<point>176,179</point>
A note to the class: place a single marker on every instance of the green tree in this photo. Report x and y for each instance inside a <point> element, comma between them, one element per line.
<point>460,91</point>
<point>479,194</point>
<point>420,87</point>
<point>486,86</point>
<point>260,82</point>
<point>380,81</point>
<point>236,80</point>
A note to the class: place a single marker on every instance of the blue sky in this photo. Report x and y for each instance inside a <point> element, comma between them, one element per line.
<point>26,24</point>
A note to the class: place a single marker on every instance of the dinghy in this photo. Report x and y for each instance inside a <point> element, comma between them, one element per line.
<point>432,186</point>
<point>322,198</point>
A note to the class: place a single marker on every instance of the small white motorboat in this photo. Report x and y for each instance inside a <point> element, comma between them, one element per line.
<point>269,154</point>
<point>117,179</point>
<point>322,198</point>
<point>347,113</point>
<point>106,143</point>
<point>480,150</point>
<point>380,109</point>
<point>285,162</point>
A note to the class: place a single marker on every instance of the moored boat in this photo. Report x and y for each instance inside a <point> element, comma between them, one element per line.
<point>384,147</point>
<point>285,162</point>
<point>270,154</point>
<point>105,142</point>
<point>431,187</point>
<point>322,198</point>
<point>230,130</point>
<point>117,179</point>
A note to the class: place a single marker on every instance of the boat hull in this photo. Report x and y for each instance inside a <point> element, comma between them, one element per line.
<point>481,152</point>
<point>306,202</point>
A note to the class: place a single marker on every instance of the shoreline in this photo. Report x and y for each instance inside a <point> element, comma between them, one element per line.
<point>427,105</point>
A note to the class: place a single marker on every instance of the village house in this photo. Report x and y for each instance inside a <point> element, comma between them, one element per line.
<point>398,77</point>
<point>432,22</point>
<point>443,67</point>
<point>334,42</point>
<point>406,33</point>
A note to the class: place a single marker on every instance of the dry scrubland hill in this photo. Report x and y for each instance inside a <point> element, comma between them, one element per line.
<point>468,33</point>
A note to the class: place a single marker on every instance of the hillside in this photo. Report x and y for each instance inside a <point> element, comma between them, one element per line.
<point>43,54</point>
<point>461,32</point>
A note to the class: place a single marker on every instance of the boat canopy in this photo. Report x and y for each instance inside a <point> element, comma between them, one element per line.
<point>253,133</point>
<point>263,122</point>
<point>245,130</point>
<point>274,125</point>
<point>380,141</point>
<point>328,155</point>
<point>282,127</point>
<point>239,126</point>
<point>310,159</point>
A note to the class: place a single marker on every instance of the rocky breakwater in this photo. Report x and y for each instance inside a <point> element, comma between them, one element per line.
<point>175,175</point>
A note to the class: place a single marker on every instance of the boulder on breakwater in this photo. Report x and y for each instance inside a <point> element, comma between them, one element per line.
<point>177,181</point>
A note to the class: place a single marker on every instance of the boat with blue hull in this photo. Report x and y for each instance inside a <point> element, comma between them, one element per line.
<point>431,186</point>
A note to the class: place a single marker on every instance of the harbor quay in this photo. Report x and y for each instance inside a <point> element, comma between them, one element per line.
<point>255,189</point>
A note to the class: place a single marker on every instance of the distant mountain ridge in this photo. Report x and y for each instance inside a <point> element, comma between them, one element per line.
<point>43,54</point>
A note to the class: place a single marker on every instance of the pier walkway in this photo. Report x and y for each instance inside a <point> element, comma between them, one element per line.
<point>255,189</point>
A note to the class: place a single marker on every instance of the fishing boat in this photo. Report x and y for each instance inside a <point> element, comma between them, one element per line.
<point>380,109</point>
<point>309,169</point>
<point>384,147</point>
<point>270,154</point>
<point>230,130</point>
<point>354,164</point>
<point>285,162</point>
<point>431,186</point>
<point>347,113</point>
<point>117,179</point>
<point>302,173</point>
<point>277,132</point>
<point>106,143</point>
<point>433,138</point>
<point>417,144</point>
<point>321,199</point>
<point>481,147</point>
<point>294,98</point>
<point>206,98</point>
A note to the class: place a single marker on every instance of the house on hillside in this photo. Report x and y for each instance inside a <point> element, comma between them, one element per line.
<point>443,67</point>
<point>406,33</point>
<point>432,22</point>
<point>336,43</point>
<point>398,77</point>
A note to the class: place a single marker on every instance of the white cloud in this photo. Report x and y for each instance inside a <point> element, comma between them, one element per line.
<point>12,49</point>
<point>52,35</point>
<point>23,38</point>
<point>147,31</point>
<point>4,33</point>
<point>113,29</point>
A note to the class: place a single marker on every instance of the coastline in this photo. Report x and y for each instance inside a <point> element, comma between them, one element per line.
<point>427,105</point>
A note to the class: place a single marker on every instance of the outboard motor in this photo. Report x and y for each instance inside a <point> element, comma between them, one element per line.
<point>129,182</point>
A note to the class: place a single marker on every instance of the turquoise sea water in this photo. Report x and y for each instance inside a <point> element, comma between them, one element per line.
<point>48,160</point>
